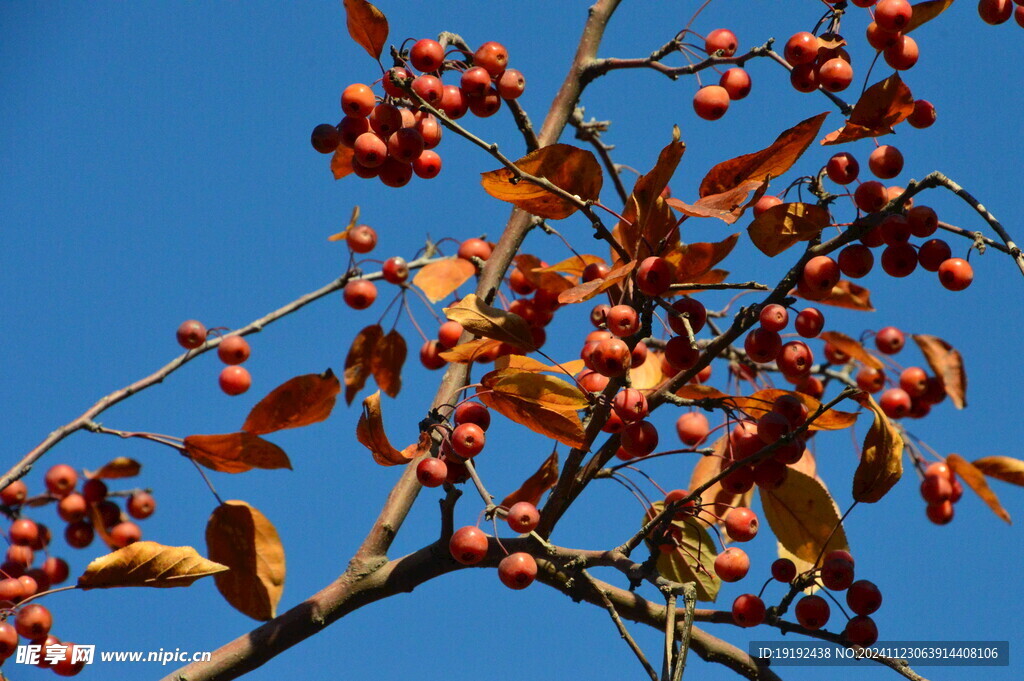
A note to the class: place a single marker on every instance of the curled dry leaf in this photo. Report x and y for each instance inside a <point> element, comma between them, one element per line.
<point>523,363</point>
<point>881,460</point>
<point>386,362</point>
<point>539,276</point>
<point>761,402</point>
<point>297,402</point>
<point>357,363</point>
<point>802,514</point>
<point>470,351</point>
<point>534,487</point>
<point>480,319</point>
<point>575,265</point>
<point>1003,468</point>
<point>587,290</point>
<point>785,225</point>
<point>367,25</point>
<point>352,222</point>
<point>242,538</point>
<point>440,279</point>
<point>693,261</point>
<point>925,12</point>
<point>650,226</point>
<point>693,561</point>
<point>947,364</point>
<point>121,467</point>
<point>569,168</point>
<point>728,206</point>
<point>851,347</point>
<point>846,295</point>
<point>975,479</point>
<point>882,106</point>
<point>370,433</point>
<point>341,163</point>
<point>772,161</point>
<point>146,563</point>
<point>544,404</point>
<point>235,452</point>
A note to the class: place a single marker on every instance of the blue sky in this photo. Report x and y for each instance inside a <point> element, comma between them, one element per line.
<point>157,168</point>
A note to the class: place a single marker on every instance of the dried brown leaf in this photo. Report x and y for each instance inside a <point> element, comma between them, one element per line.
<point>471,351</point>
<point>357,363</point>
<point>297,402</point>
<point>803,515</point>
<point>846,295</point>
<point>852,347</point>
<point>925,12</point>
<point>975,479</point>
<point>785,225</point>
<point>235,452</point>
<point>1003,468</point>
<point>534,487</point>
<point>881,460</point>
<point>587,290</point>
<point>440,279</point>
<point>544,404</point>
<point>481,319</point>
<point>367,25</point>
<point>146,563</point>
<point>569,168</point>
<point>386,362</point>
<point>370,433</point>
<point>121,467</point>
<point>947,364</point>
<point>882,106</point>
<point>341,164</point>
<point>693,261</point>
<point>244,540</point>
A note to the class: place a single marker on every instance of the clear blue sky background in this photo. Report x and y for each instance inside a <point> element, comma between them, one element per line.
<point>156,167</point>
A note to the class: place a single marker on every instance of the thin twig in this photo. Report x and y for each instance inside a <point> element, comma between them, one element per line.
<point>623,632</point>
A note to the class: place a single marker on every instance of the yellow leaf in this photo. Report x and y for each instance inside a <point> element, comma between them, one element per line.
<point>480,319</point>
<point>803,516</point>
<point>573,170</point>
<point>881,462</point>
<point>242,538</point>
<point>146,563</point>
<point>975,479</point>
<point>440,279</point>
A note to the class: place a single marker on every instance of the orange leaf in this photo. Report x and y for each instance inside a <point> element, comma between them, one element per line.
<point>297,402</point>
<point>695,260</point>
<point>438,280</point>
<point>852,348</point>
<point>531,268</point>
<point>386,362</point>
<point>714,498</point>
<point>882,106</point>
<point>727,206</point>
<point>370,433</point>
<point>587,290</point>
<point>146,563</point>
<point>925,12</point>
<point>803,516</point>
<point>121,467</point>
<point>341,162</point>
<point>771,161</point>
<point>847,295</point>
<point>761,402</point>
<point>466,353</point>
<point>242,538</point>
<point>357,363</point>
<point>573,266</point>
<point>648,375</point>
<point>235,452</point>
<point>569,168</point>
<point>649,221</point>
<point>881,460</point>
<point>481,319</point>
<point>1002,468</point>
<point>523,363</point>
<point>340,236</point>
<point>786,224</point>
<point>947,364</point>
<point>535,485</point>
<point>975,479</point>
<point>367,25</point>
<point>544,404</point>
<point>694,391</point>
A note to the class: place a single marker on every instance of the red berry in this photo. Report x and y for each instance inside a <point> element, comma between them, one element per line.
<point>473,412</point>
<point>736,82</point>
<point>783,570</point>
<point>762,345</point>
<point>923,221</point>
<point>233,350</point>
<point>804,78</point>
<point>842,168</point>
<point>820,275</point>
<point>71,508</point>
<point>680,355</point>
<point>523,517</point>
<point>359,294</point>
<point>861,631</point>
<point>732,564</point>
<point>61,480</point>
<point>141,505</point>
<point>394,173</point>
<point>721,39</point>
<point>886,162</point>
<point>125,533</point>
<point>895,230</point>
<point>764,203</point>
<point>517,570</point>
<point>995,11</point>
<point>475,81</point>
<point>426,55</point>
<point>622,320</point>
<point>79,534</point>
<point>899,260</point>
<point>14,494</point>
<point>453,102</point>
<point>870,196</point>
<point>395,270</point>
<point>325,138</point>
<point>923,115</point>
<point>795,360</point>
<point>933,253</point>
<point>611,357</point>
<point>692,428</point>
<point>893,15</point>
<point>191,334</point>
<point>449,333</point>
<point>837,573</point>
<point>431,472</point>
<point>890,340</point>
<point>748,610</point>
<point>835,75</point>
<point>640,439</point>
<point>902,54</point>
<point>812,612</point>
<point>429,88</point>
<point>357,100</point>
<point>630,404</point>
<point>370,150</point>
<point>741,524</point>
<point>684,510</point>
<point>774,317</point>
<point>385,119</point>
<point>468,545</point>
<point>468,440</point>
<point>492,56</point>
<point>956,274</point>
<point>56,569</point>
<point>234,380</point>
<point>801,48</point>
<point>711,102</point>
<point>474,248</point>
<point>511,84</point>
<point>895,402</point>
<point>33,621</point>
<point>694,312</point>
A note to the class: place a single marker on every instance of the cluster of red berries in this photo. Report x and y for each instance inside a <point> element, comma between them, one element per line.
<point>900,257</point>
<point>940,489</point>
<point>794,358</point>
<point>812,612</point>
<point>712,101</point>
<point>818,62</point>
<point>747,438</point>
<point>33,622</point>
<point>76,509</point>
<point>466,440</point>
<point>916,391</point>
<point>468,546</point>
<point>233,350</point>
<point>390,138</point>
<point>999,11</point>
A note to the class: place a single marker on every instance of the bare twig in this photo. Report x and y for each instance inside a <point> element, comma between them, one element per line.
<point>623,632</point>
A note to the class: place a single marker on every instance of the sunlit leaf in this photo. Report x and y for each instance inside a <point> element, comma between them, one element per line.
<point>975,479</point>
<point>235,452</point>
<point>575,265</point>
<point>881,460</point>
<point>772,161</point>
<point>523,363</point>
<point>551,282</point>
<point>882,106</point>
<point>649,227</point>
<point>341,162</point>
<point>589,289</point>
<point>121,467</point>
<point>1002,468</point>
<point>851,347</point>
<point>847,295</point>
<point>803,515</point>
<point>693,561</point>
<point>569,168</point>
<point>370,433</point>
<point>481,319</point>
<point>146,563</point>
<point>357,363</point>
<point>353,221</point>
<point>947,364</point>
<point>440,279</point>
<point>471,351</point>
<point>785,225</point>
<point>386,362</point>
<point>925,12</point>
<point>693,261</point>
<point>761,402</point>
<point>244,540</point>
<point>534,487</point>
<point>297,402</point>
<point>727,206</point>
<point>544,404</point>
<point>367,25</point>
<point>648,375</point>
